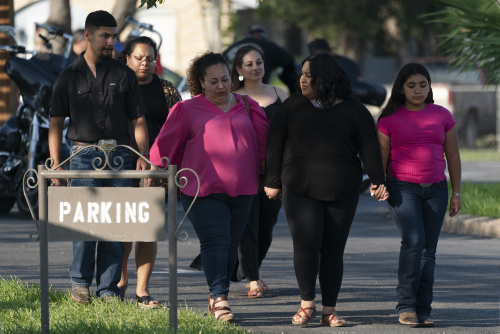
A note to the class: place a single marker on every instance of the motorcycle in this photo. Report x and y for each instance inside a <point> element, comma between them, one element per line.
<point>24,136</point>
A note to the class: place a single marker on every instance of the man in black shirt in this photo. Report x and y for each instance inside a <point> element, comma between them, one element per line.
<point>274,56</point>
<point>101,97</point>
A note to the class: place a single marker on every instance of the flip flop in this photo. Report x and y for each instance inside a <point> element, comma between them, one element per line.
<point>147,302</point>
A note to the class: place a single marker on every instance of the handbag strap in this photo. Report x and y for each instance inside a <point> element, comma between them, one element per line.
<point>246,103</point>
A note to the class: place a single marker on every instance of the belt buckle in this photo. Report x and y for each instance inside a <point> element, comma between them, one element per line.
<point>107,145</point>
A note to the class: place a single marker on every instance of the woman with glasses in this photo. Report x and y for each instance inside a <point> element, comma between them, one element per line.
<point>159,96</point>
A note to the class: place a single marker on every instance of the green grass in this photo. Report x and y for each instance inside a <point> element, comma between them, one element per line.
<point>20,313</point>
<point>479,155</point>
<point>481,199</point>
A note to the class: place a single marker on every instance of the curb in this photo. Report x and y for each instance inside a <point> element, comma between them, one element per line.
<point>472,225</point>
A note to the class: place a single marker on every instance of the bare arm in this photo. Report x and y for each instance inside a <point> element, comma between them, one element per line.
<point>55,142</point>
<point>454,169</point>
<point>142,140</point>
<point>281,93</point>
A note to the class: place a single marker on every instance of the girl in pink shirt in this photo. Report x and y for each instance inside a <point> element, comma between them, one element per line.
<point>415,136</point>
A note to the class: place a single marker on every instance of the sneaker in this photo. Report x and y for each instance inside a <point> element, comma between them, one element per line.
<point>80,294</point>
<point>408,318</point>
<point>425,321</point>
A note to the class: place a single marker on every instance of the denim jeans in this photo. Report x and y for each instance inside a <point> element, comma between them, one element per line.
<point>87,255</point>
<point>219,221</point>
<point>419,213</point>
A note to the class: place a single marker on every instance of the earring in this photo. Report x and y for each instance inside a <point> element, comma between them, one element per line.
<point>241,77</point>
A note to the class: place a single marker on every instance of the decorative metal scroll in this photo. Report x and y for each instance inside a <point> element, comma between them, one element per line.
<point>30,179</point>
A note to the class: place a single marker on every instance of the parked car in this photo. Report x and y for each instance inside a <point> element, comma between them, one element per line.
<point>473,105</point>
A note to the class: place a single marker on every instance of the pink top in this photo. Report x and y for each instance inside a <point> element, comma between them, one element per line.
<point>417,143</point>
<point>224,149</point>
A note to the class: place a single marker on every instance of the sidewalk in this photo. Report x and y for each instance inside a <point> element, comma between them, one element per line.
<point>466,290</point>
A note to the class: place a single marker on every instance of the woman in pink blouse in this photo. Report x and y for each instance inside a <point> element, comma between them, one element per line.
<point>215,135</point>
<point>415,137</point>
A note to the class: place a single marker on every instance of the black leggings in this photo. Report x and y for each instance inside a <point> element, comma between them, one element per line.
<point>319,232</point>
<point>257,237</point>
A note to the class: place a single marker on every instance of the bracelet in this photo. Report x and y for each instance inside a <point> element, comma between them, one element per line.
<point>456,194</point>
<point>145,154</point>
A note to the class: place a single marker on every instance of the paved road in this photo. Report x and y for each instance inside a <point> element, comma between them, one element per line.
<point>467,285</point>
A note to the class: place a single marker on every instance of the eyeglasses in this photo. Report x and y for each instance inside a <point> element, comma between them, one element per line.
<point>148,60</point>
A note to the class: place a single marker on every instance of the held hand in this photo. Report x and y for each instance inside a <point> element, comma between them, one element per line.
<point>151,181</point>
<point>58,182</point>
<point>273,193</point>
<point>142,164</point>
<point>381,193</point>
<point>455,205</point>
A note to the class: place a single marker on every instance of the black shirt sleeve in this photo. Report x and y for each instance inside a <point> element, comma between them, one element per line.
<point>276,141</point>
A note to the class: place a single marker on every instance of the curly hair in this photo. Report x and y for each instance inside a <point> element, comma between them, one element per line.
<point>328,80</point>
<point>198,69</point>
<point>238,62</point>
<point>130,47</point>
<point>397,98</point>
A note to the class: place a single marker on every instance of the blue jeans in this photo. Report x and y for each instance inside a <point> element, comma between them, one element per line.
<point>219,221</point>
<point>419,213</point>
<point>109,254</point>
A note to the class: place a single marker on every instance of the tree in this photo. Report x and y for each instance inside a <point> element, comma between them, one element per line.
<point>473,39</point>
<point>121,10</point>
<point>59,16</point>
<point>385,27</point>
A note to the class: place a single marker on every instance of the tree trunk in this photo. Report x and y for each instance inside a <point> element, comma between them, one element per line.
<point>121,10</point>
<point>59,16</point>
<point>8,91</point>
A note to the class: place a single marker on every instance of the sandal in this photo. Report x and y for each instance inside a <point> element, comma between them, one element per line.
<point>255,293</point>
<point>210,304</point>
<point>307,317</point>
<point>147,302</point>
<point>332,320</point>
<point>263,285</point>
<point>227,316</point>
<point>123,289</point>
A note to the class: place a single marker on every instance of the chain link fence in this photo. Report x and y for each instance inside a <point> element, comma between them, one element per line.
<point>476,110</point>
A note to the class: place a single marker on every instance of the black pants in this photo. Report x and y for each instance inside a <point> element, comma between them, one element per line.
<point>257,237</point>
<point>319,232</point>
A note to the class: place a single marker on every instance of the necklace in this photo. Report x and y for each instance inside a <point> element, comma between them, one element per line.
<point>230,98</point>
<point>317,104</point>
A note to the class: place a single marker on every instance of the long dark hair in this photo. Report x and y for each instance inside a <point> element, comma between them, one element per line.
<point>397,98</point>
<point>328,80</point>
<point>238,62</point>
<point>198,69</point>
<point>130,46</point>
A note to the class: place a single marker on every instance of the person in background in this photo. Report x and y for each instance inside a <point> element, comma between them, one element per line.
<point>79,43</point>
<point>216,135</point>
<point>100,113</point>
<point>312,161</point>
<point>246,77</point>
<point>276,56</point>
<point>417,140</point>
<point>350,67</point>
<point>159,97</point>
